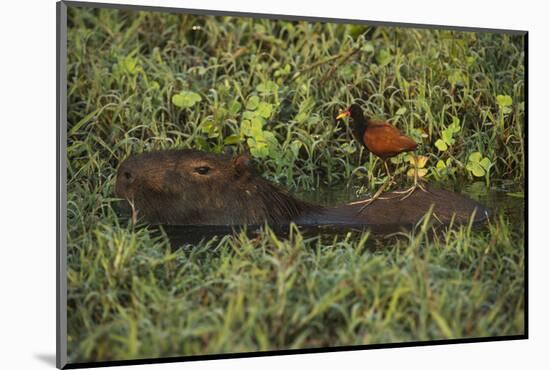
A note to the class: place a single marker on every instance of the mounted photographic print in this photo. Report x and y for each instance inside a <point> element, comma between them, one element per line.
<point>236,184</point>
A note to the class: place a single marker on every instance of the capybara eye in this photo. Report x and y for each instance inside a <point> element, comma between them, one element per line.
<point>127,175</point>
<point>203,170</point>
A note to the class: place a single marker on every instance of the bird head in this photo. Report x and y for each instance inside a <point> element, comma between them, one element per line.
<point>354,111</point>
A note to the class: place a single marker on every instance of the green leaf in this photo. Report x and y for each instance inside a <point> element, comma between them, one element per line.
<point>253,128</point>
<point>253,102</point>
<point>485,163</point>
<point>506,110</point>
<point>419,133</point>
<point>383,57</point>
<point>477,165</point>
<point>440,165</point>
<point>475,157</point>
<point>154,85</point>
<point>456,77</point>
<point>235,107</point>
<point>401,111</point>
<point>504,100</point>
<point>201,71</point>
<point>246,127</point>
<point>269,137</point>
<point>258,149</point>
<point>455,125</point>
<point>201,142</point>
<point>232,139</point>
<point>441,145</point>
<point>346,72</point>
<point>210,128</point>
<point>348,148</point>
<point>256,127</point>
<point>282,71</point>
<point>128,65</point>
<point>477,170</point>
<point>186,99</point>
<point>265,109</point>
<point>249,115</point>
<point>368,48</point>
<point>447,136</point>
<point>267,87</point>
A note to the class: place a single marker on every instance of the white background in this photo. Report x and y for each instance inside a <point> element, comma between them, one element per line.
<point>27,182</point>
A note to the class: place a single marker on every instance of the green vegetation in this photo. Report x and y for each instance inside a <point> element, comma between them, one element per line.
<point>145,81</point>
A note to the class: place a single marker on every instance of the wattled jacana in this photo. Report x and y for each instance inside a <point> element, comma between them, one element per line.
<point>383,140</point>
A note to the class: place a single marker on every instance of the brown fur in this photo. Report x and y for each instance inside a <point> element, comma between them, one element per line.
<point>167,187</point>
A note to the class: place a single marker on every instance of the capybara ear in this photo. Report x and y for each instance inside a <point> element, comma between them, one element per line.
<point>241,162</point>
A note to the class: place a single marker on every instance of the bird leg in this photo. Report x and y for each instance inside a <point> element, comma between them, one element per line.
<point>379,192</point>
<point>390,176</point>
<point>416,185</point>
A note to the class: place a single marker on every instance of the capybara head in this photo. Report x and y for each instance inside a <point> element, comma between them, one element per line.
<point>190,187</point>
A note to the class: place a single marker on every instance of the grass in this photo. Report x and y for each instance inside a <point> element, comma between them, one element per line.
<point>145,81</point>
<point>133,296</point>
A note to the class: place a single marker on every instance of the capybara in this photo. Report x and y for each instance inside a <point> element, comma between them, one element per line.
<point>191,187</point>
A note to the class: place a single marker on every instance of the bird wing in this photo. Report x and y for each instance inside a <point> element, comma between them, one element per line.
<point>385,139</point>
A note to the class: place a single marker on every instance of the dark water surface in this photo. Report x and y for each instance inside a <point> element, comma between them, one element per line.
<point>502,197</point>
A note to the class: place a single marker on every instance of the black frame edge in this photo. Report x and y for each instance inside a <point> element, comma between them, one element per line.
<point>149,361</point>
<point>61,190</point>
<point>288,17</point>
<point>526,186</point>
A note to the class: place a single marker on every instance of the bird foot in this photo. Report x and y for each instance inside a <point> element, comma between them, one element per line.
<point>411,190</point>
<point>366,204</point>
<point>369,201</point>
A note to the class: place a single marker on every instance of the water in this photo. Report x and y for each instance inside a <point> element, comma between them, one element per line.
<point>503,197</point>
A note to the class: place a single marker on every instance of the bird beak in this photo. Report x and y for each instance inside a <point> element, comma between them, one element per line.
<point>343,114</point>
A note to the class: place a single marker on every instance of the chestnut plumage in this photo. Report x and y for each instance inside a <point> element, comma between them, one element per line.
<point>380,138</point>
